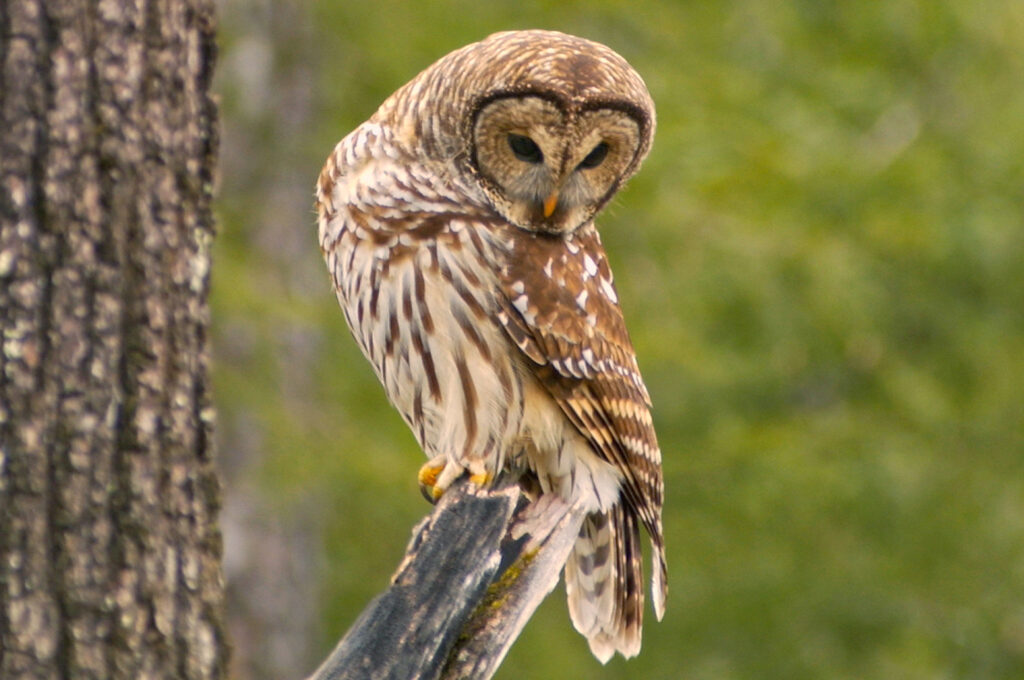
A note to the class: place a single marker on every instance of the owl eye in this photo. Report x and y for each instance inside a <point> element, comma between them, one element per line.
<point>595,157</point>
<point>525,148</point>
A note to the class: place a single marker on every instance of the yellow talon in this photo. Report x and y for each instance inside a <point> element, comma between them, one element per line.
<point>428,478</point>
<point>428,474</point>
<point>438,474</point>
<point>481,479</point>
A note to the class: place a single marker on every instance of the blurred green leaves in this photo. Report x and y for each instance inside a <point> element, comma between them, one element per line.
<point>821,263</point>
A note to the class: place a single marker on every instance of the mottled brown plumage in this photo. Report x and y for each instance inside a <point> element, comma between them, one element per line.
<point>457,228</point>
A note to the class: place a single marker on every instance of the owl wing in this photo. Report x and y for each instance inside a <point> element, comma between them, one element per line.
<point>561,308</point>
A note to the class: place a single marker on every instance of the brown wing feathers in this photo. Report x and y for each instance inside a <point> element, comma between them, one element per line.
<point>583,355</point>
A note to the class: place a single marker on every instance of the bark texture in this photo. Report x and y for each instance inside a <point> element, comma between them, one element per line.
<point>109,547</point>
<point>473,574</point>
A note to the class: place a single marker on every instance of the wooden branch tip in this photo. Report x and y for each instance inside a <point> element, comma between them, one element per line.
<point>474,572</point>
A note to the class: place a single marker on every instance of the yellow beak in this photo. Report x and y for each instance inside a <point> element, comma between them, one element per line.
<point>550,203</point>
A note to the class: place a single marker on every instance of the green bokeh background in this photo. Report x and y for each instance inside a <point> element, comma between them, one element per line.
<point>822,267</point>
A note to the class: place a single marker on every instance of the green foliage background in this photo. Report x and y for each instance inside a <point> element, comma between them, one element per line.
<point>822,266</point>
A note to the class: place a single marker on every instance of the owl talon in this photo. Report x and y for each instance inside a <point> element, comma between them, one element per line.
<point>436,476</point>
<point>429,473</point>
<point>479,475</point>
<point>428,476</point>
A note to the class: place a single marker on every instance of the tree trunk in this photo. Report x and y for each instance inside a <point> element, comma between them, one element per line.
<point>109,546</point>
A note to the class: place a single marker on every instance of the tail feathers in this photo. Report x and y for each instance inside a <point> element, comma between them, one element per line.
<point>659,573</point>
<point>604,583</point>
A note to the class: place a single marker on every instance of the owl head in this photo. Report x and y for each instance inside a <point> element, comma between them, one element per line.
<point>546,126</point>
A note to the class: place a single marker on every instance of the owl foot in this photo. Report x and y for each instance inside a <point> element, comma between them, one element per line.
<point>439,473</point>
<point>429,475</point>
<point>479,474</point>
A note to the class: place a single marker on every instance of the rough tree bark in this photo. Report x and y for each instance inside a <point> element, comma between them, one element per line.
<point>109,546</point>
<point>473,574</point>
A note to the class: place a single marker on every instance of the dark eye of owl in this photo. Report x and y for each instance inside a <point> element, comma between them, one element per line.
<point>525,148</point>
<point>595,157</point>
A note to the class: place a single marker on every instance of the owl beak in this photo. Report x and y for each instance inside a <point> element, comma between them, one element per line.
<point>550,203</point>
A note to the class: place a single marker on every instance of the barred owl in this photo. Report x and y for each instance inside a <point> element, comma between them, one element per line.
<point>457,225</point>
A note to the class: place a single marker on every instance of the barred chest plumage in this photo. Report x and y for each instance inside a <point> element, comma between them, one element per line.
<point>420,296</point>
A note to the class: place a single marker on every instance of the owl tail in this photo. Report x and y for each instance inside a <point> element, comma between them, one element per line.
<point>604,583</point>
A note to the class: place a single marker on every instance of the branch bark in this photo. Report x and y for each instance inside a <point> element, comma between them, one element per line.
<point>473,574</point>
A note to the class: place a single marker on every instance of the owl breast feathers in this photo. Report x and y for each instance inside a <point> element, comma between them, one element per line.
<point>457,225</point>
